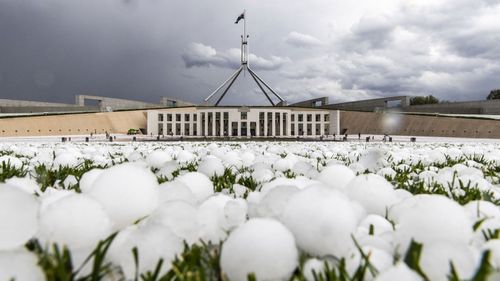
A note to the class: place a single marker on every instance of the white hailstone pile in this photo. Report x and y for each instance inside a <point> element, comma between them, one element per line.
<point>338,194</point>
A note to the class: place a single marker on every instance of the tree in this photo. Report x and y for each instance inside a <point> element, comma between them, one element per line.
<point>423,100</point>
<point>494,95</point>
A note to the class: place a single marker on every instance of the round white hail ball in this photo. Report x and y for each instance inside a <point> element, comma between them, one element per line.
<point>211,166</point>
<point>336,176</point>
<point>26,184</point>
<point>373,192</point>
<point>313,267</point>
<point>158,158</point>
<point>185,156</point>
<point>212,219</point>
<point>176,191</point>
<point>378,223</point>
<point>65,159</point>
<point>433,218</point>
<point>88,179</point>
<point>19,265</point>
<point>198,183</point>
<point>274,201</point>
<point>436,258</point>
<point>398,272</point>
<point>180,217</point>
<point>264,247</point>
<point>18,217</point>
<point>168,169</point>
<point>321,220</point>
<point>127,192</point>
<point>76,220</point>
<point>153,242</point>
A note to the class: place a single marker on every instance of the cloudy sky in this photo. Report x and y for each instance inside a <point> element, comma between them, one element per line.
<point>347,50</point>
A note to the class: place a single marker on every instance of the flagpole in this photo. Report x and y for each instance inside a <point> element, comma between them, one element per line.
<point>245,34</point>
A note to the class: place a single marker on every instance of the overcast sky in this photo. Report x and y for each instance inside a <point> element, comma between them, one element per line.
<point>143,49</point>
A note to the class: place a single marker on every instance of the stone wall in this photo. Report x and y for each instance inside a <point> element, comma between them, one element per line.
<point>73,124</point>
<point>417,125</point>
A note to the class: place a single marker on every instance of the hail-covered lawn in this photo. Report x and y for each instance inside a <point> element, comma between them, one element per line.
<point>249,211</point>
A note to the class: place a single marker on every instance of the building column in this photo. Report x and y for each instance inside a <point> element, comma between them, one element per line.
<point>205,123</point>
<point>273,124</point>
<point>238,124</point>
<point>183,124</point>
<point>257,125</point>
<point>289,125</point>
<point>213,124</point>
<point>265,124</point>
<point>282,123</point>
<point>198,123</point>
<point>221,124</point>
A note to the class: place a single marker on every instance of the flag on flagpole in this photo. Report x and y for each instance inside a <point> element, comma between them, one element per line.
<point>242,16</point>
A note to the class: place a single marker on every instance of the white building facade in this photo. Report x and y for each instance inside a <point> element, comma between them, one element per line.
<point>233,121</point>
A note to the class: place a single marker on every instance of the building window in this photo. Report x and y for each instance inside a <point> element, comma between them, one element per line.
<point>309,117</point>
<point>309,129</point>
<point>226,115</point>
<point>292,117</point>
<point>178,129</point>
<point>169,117</point>
<point>160,129</point>
<point>261,115</point>
<point>318,129</point>
<point>318,117</point>
<point>178,117</point>
<point>186,117</point>
<point>243,116</point>
<point>301,117</point>
<point>160,117</point>
<point>327,129</point>
<point>195,117</point>
<point>169,129</point>
<point>327,117</point>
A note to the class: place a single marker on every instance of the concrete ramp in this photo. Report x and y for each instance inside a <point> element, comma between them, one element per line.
<point>355,122</point>
<point>73,124</point>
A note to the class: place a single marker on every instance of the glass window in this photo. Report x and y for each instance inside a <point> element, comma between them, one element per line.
<point>243,116</point>
<point>293,117</point>
<point>178,118</point>
<point>169,117</point>
<point>301,117</point>
<point>327,117</point>
<point>186,117</point>
<point>195,117</point>
<point>318,117</point>
<point>160,117</point>
<point>309,117</point>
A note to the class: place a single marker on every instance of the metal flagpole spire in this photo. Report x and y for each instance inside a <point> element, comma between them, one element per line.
<point>244,56</point>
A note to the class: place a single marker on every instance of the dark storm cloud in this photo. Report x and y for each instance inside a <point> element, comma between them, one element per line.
<point>145,49</point>
<point>53,50</point>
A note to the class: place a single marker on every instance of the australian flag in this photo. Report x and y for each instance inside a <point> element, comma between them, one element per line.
<point>242,16</point>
